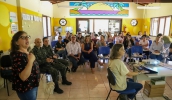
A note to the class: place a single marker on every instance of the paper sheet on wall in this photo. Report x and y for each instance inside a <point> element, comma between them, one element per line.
<point>13,17</point>
<point>14,28</point>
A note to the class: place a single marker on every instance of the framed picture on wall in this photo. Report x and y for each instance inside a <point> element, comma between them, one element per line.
<point>58,29</point>
<point>68,28</point>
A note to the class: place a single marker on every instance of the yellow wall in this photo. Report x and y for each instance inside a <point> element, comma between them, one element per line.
<point>71,22</point>
<point>146,25</point>
<point>125,22</point>
<point>5,25</point>
<point>132,29</point>
<point>33,28</point>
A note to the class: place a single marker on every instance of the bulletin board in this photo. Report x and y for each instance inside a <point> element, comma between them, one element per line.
<point>33,28</point>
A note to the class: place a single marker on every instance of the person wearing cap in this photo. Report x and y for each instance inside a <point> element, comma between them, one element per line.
<point>157,48</point>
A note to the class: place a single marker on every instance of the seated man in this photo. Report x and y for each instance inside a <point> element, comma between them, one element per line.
<point>74,52</point>
<point>60,47</point>
<point>157,48</point>
<point>170,52</point>
<point>50,53</point>
<point>80,38</point>
<point>48,64</point>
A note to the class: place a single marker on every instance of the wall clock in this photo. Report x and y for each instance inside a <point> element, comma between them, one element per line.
<point>62,22</point>
<point>134,22</point>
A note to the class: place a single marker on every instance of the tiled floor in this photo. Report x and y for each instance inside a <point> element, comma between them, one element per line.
<point>86,86</point>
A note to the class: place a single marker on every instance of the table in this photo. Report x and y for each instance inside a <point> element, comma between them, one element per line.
<point>163,70</point>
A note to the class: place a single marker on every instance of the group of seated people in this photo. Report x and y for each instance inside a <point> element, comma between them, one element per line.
<point>151,50</point>
<point>78,49</point>
<point>75,48</point>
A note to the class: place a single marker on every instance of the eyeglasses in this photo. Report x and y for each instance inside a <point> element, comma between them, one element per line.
<point>25,37</point>
<point>73,37</point>
<point>60,38</point>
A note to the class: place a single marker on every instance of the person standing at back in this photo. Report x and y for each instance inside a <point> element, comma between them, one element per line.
<point>26,73</point>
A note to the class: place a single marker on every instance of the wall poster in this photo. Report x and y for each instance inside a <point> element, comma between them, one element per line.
<point>99,9</point>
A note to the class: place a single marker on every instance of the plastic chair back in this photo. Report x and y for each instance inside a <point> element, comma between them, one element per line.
<point>6,65</point>
<point>150,43</point>
<point>6,61</point>
<point>136,49</point>
<point>53,43</point>
<point>111,77</point>
<point>104,50</point>
<point>114,42</point>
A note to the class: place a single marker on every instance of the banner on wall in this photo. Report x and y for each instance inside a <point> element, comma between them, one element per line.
<point>14,28</point>
<point>99,9</point>
<point>13,17</point>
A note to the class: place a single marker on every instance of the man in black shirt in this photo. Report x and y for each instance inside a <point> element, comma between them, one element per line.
<point>60,47</point>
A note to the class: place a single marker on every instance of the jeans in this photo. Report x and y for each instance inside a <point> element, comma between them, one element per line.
<point>158,57</point>
<point>29,95</point>
<point>76,63</point>
<point>133,85</point>
<point>62,53</point>
<point>91,57</point>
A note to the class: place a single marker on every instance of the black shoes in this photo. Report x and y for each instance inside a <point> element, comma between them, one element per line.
<point>66,83</point>
<point>58,90</point>
<point>73,69</point>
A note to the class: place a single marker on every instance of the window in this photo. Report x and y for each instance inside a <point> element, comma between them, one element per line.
<point>46,26</point>
<point>167,26</point>
<point>154,26</point>
<point>91,25</point>
<point>83,25</point>
<point>101,24</point>
<point>160,25</point>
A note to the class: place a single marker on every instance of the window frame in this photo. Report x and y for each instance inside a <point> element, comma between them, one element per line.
<point>47,27</point>
<point>159,25</point>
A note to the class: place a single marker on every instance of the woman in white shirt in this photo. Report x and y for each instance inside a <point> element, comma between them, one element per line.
<point>145,44</point>
<point>121,72</point>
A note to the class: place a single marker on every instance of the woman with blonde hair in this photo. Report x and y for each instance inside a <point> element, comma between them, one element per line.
<point>119,69</point>
<point>87,51</point>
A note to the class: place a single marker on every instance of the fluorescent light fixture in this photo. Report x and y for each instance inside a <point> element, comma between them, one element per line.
<point>148,7</point>
<point>63,6</point>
